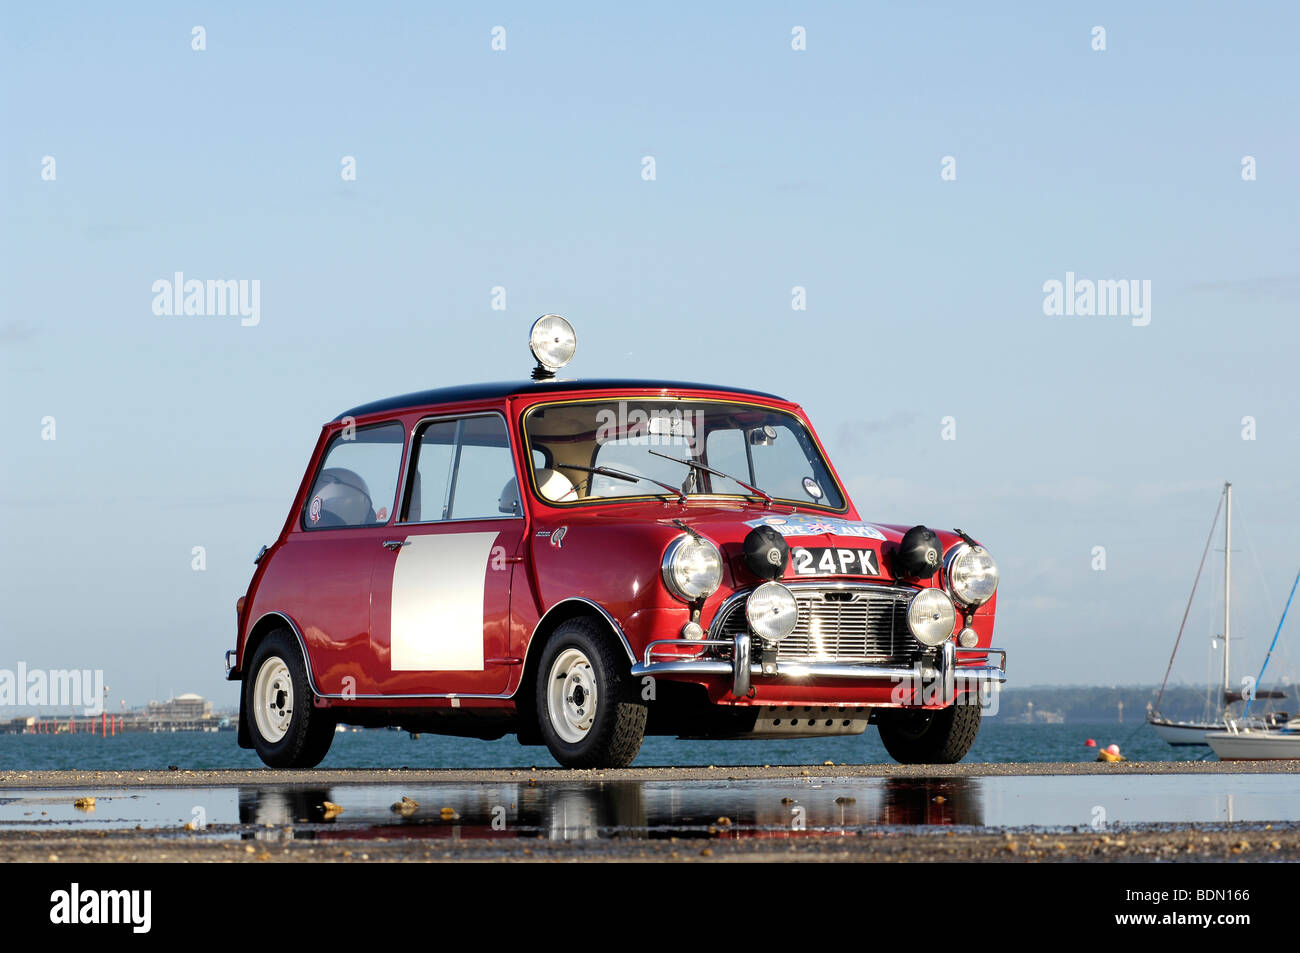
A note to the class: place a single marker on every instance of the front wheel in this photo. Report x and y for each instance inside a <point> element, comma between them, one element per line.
<point>286,729</point>
<point>588,709</point>
<point>929,736</point>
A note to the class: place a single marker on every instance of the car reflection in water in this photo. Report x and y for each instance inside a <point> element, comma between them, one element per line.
<point>561,810</point>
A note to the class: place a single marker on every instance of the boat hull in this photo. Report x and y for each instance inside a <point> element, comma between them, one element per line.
<point>1254,745</point>
<point>1184,733</point>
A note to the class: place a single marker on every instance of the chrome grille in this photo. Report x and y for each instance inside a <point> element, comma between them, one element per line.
<point>849,624</point>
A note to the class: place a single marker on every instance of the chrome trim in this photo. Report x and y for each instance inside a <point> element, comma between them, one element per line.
<point>231,655</point>
<point>550,369</point>
<point>673,396</point>
<point>750,622</point>
<point>459,519</point>
<point>302,644</point>
<point>900,591</point>
<point>948,560</point>
<point>666,575</point>
<point>627,646</point>
<point>301,518</point>
<point>741,685</point>
<point>690,667</point>
<point>944,667</point>
<point>708,666</point>
<point>649,649</point>
<point>311,677</point>
<point>947,639</point>
<point>985,650</point>
<point>947,672</point>
<point>949,556</point>
<point>410,457</point>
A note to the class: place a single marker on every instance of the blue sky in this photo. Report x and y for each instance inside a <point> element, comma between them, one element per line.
<point>775,168</point>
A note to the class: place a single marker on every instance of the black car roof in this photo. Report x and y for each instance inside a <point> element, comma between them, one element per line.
<point>499,389</point>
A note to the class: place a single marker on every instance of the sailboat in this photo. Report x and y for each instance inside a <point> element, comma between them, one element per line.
<point>1257,740</point>
<point>1248,742</point>
<point>1193,732</point>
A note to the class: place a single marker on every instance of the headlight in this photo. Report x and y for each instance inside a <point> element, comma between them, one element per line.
<point>771,611</point>
<point>692,568</point>
<point>931,616</point>
<point>972,575</point>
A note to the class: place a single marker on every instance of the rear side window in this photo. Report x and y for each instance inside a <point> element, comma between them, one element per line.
<point>462,470</point>
<point>357,481</point>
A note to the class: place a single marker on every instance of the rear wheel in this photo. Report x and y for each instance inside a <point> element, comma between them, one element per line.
<point>286,728</point>
<point>588,709</point>
<point>929,736</point>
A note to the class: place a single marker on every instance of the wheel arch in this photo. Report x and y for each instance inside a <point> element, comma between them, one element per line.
<point>574,607</point>
<point>267,623</point>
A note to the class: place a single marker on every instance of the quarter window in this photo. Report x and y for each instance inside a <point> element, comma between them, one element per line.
<point>357,480</point>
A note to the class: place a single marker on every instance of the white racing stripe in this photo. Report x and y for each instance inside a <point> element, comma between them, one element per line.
<point>437,608</point>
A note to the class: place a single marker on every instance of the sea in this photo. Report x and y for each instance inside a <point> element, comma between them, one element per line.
<point>380,748</point>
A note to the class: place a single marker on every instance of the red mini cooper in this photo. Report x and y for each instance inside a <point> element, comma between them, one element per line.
<point>585,562</point>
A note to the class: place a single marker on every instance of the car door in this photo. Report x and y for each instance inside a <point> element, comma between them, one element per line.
<point>440,619</point>
<point>322,572</point>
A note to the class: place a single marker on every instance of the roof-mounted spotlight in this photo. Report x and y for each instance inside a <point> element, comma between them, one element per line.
<point>553,342</point>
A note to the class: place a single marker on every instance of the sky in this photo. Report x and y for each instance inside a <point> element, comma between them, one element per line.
<point>921,171</point>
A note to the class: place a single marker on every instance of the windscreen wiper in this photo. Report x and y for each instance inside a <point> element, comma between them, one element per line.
<point>707,469</point>
<point>626,477</point>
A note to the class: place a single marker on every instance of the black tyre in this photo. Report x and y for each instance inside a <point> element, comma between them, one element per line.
<point>589,711</point>
<point>286,729</point>
<point>919,736</point>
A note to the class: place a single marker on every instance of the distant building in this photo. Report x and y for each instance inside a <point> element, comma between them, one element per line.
<point>186,708</point>
<point>1036,716</point>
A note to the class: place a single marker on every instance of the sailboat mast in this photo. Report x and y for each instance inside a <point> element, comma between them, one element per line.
<point>1227,584</point>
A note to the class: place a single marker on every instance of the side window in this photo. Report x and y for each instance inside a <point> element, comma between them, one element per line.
<point>462,471</point>
<point>357,480</point>
<point>435,454</point>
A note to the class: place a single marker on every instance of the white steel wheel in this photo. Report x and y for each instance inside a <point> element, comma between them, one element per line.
<point>571,697</point>
<point>588,709</point>
<point>276,710</point>
<point>273,699</point>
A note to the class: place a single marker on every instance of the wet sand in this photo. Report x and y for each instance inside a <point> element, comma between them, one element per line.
<point>876,812</point>
<point>1204,845</point>
<point>184,777</point>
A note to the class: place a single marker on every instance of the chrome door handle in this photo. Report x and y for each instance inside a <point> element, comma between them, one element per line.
<point>396,544</point>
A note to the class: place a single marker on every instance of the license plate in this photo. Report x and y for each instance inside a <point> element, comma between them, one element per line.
<point>834,561</point>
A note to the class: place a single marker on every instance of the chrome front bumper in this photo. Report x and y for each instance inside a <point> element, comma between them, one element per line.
<point>941,671</point>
